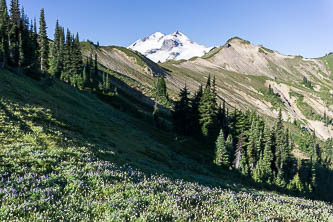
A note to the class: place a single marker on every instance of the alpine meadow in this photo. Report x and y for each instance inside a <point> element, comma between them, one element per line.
<point>165,129</point>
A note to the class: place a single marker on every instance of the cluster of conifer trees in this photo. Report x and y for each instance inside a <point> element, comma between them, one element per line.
<point>21,46</point>
<point>244,141</point>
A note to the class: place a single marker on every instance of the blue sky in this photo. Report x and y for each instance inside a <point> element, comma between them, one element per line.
<point>295,27</point>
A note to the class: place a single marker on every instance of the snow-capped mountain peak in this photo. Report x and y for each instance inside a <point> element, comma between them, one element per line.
<point>175,46</point>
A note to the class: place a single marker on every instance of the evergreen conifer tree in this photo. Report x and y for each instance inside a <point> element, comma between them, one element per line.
<point>195,114</point>
<point>214,91</point>
<point>161,89</point>
<point>208,113</point>
<point>56,58</point>
<point>313,173</point>
<point>244,166</point>
<point>27,48</point>
<point>268,156</point>
<point>279,143</point>
<point>4,28</point>
<point>93,64</point>
<point>77,64</point>
<point>14,32</point>
<point>43,43</point>
<point>258,173</point>
<point>182,111</point>
<point>279,180</point>
<point>221,152</point>
<point>296,184</point>
<point>85,76</point>
<point>107,83</point>
<point>230,148</point>
<point>208,84</point>
<point>251,148</point>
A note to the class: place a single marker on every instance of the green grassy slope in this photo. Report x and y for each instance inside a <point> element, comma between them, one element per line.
<point>65,155</point>
<point>328,61</point>
<point>131,67</point>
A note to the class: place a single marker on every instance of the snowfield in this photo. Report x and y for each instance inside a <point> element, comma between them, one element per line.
<point>176,46</point>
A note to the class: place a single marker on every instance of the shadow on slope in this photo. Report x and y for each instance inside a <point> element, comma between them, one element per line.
<point>112,136</point>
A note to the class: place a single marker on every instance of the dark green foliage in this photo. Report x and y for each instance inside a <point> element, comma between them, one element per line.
<point>230,148</point>
<point>106,85</point>
<point>307,83</point>
<point>208,113</point>
<point>86,76</point>
<point>43,43</point>
<point>161,89</point>
<point>261,153</point>
<point>268,157</point>
<point>296,184</point>
<point>69,63</point>
<point>92,65</point>
<point>4,29</point>
<point>57,52</point>
<point>77,64</point>
<point>251,147</point>
<point>15,12</point>
<point>258,173</point>
<point>195,114</point>
<point>182,113</point>
<point>279,136</point>
<point>14,33</point>
<point>221,151</point>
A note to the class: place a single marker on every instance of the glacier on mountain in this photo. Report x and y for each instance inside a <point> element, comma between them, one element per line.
<point>175,46</point>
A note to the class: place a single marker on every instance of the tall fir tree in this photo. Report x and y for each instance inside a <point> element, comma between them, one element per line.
<point>161,89</point>
<point>182,113</point>
<point>43,43</point>
<point>56,58</point>
<point>77,55</point>
<point>208,113</point>
<point>251,147</point>
<point>85,76</point>
<point>214,90</point>
<point>258,173</point>
<point>221,152</point>
<point>15,12</point>
<point>268,156</point>
<point>94,71</point>
<point>296,184</point>
<point>77,64</point>
<point>313,174</point>
<point>27,48</point>
<point>230,148</point>
<point>208,84</point>
<point>4,29</point>
<point>35,45</point>
<point>14,32</point>
<point>286,159</point>
<point>68,64</point>
<point>195,114</point>
<point>279,145</point>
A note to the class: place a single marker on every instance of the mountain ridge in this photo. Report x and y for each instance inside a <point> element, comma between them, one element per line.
<point>244,73</point>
